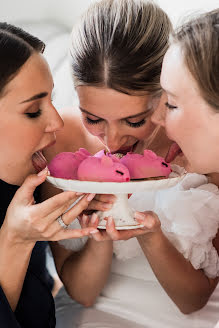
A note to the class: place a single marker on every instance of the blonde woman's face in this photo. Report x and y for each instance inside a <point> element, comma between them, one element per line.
<point>188,119</point>
<point>119,120</point>
<point>28,121</point>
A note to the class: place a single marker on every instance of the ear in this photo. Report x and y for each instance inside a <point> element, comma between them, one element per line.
<point>106,161</point>
<point>150,154</point>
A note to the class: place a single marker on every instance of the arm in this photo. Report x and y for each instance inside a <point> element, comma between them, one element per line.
<point>25,223</point>
<point>84,273</point>
<point>14,260</point>
<point>189,289</point>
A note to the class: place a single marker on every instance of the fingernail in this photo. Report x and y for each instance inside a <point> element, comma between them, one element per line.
<point>139,215</point>
<point>79,193</point>
<point>43,172</point>
<point>94,231</point>
<point>93,218</point>
<point>84,218</point>
<point>107,206</point>
<point>111,198</point>
<point>90,197</point>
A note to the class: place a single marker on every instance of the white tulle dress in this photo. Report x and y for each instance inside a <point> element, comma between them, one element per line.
<point>132,297</point>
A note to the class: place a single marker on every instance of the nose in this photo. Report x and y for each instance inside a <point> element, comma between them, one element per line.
<point>55,122</point>
<point>112,138</point>
<point>159,115</point>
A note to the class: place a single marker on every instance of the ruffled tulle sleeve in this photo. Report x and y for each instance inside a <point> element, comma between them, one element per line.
<point>189,215</point>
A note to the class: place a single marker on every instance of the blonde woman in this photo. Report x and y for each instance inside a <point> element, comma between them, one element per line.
<point>156,279</point>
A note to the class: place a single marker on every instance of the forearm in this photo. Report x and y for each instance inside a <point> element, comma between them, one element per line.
<point>85,273</point>
<point>187,287</point>
<point>14,260</point>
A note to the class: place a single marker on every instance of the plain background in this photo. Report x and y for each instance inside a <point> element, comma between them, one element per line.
<point>66,11</point>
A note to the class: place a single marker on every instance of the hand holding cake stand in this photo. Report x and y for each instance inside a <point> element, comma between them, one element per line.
<point>121,211</point>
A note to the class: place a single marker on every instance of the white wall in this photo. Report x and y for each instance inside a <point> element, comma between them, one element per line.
<point>66,11</point>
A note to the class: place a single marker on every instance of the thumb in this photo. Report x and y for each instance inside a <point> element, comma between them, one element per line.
<point>25,193</point>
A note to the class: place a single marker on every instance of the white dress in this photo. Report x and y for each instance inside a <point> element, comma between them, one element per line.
<point>189,215</point>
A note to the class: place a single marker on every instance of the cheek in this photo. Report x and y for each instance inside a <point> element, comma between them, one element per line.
<point>94,129</point>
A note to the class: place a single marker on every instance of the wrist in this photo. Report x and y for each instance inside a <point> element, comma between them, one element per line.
<point>151,239</point>
<point>11,239</point>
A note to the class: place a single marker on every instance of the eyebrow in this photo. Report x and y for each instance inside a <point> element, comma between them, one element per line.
<point>132,116</point>
<point>35,97</point>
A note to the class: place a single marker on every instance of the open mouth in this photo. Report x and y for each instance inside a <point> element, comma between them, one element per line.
<point>38,159</point>
<point>126,150</point>
<point>173,152</point>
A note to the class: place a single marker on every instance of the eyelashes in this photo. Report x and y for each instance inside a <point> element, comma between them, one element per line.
<point>34,114</point>
<point>90,121</point>
<point>170,106</point>
<point>137,124</point>
<point>133,125</point>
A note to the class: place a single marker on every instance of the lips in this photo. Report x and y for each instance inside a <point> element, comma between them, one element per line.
<point>173,152</point>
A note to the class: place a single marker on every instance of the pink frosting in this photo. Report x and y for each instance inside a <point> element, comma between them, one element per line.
<point>102,169</point>
<point>107,167</point>
<point>65,165</point>
<point>147,165</point>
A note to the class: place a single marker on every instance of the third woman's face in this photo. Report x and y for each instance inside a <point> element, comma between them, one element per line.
<point>119,120</point>
<point>187,118</point>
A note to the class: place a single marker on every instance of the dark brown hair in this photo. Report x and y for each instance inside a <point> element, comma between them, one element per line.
<point>16,46</point>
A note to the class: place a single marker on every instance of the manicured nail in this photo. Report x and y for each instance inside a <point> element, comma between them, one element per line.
<point>111,198</point>
<point>93,218</point>
<point>90,197</point>
<point>43,172</point>
<point>107,206</point>
<point>84,218</point>
<point>139,215</point>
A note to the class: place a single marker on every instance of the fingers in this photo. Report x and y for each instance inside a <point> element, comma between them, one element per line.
<point>73,233</point>
<point>102,202</point>
<point>77,209</point>
<point>25,192</point>
<point>148,219</point>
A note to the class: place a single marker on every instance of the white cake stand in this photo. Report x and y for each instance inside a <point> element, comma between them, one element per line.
<point>121,211</point>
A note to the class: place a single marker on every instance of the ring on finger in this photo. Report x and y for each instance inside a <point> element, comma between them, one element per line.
<point>62,223</point>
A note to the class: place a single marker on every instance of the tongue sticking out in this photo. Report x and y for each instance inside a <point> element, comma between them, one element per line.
<point>39,161</point>
<point>173,152</point>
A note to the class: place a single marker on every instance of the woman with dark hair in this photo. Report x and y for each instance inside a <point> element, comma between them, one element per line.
<point>28,125</point>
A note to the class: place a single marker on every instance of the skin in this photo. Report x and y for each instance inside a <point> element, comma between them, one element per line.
<point>189,289</point>
<point>191,123</point>
<point>24,130</point>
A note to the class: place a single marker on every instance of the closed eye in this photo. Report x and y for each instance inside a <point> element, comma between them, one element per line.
<point>90,121</point>
<point>136,124</point>
<point>170,106</point>
<point>34,114</point>
<point>117,171</point>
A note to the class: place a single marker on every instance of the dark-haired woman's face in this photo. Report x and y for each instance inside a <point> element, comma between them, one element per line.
<point>119,120</point>
<point>188,119</point>
<point>28,121</point>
